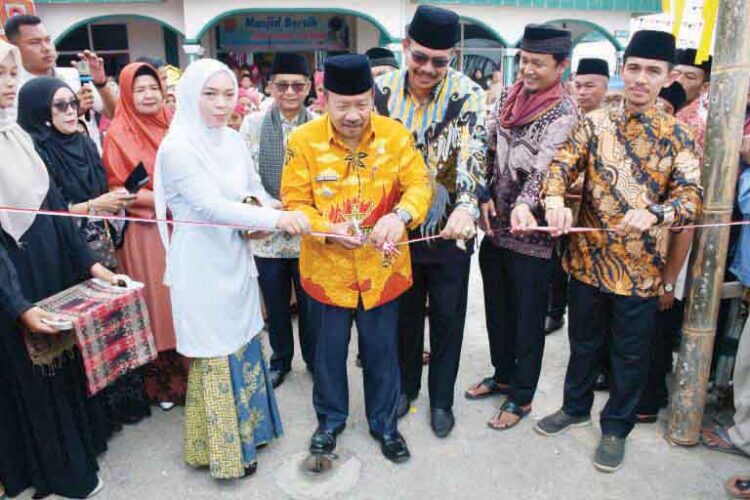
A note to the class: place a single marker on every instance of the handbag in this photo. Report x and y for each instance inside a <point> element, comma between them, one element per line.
<point>100,242</point>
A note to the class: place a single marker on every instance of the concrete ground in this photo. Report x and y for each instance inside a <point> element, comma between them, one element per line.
<point>144,461</point>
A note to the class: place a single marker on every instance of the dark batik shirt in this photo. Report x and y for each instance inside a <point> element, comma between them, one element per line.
<point>449,132</point>
<point>521,158</point>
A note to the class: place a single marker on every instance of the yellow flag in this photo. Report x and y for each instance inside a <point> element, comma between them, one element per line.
<point>679,9</point>
<point>710,10</point>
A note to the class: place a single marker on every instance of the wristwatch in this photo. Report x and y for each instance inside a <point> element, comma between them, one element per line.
<point>404,215</point>
<point>658,211</point>
<point>668,287</point>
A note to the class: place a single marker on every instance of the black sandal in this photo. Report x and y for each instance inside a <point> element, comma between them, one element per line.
<point>492,386</point>
<point>509,407</point>
<point>739,487</point>
<point>646,418</point>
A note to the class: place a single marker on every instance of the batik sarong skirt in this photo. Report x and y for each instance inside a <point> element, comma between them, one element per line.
<point>230,411</point>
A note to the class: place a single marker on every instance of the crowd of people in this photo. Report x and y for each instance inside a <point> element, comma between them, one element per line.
<point>363,205</point>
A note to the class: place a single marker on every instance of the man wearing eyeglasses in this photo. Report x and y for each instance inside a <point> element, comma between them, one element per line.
<point>277,256</point>
<point>444,111</point>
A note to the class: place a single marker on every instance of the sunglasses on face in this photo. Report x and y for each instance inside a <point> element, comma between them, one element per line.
<point>297,87</point>
<point>62,106</point>
<point>421,59</point>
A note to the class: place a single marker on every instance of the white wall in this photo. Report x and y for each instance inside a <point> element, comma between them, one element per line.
<point>601,50</point>
<point>145,38</point>
<point>509,22</point>
<point>59,17</point>
<point>368,36</point>
<point>191,16</point>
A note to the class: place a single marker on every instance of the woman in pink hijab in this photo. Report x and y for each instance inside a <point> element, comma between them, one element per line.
<point>319,105</point>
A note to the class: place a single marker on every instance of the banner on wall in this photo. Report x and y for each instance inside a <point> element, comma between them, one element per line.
<point>10,8</point>
<point>285,32</point>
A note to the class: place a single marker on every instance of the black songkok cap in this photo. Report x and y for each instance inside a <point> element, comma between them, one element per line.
<point>287,63</point>
<point>349,74</point>
<point>687,58</point>
<point>675,95</point>
<point>380,56</point>
<point>546,39</point>
<point>592,66</point>
<point>650,44</point>
<point>435,28</point>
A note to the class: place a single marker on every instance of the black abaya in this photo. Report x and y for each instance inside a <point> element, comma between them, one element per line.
<point>76,168</point>
<point>50,432</point>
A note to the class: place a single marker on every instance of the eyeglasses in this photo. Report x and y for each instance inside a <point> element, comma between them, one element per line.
<point>62,106</point>
<point>421,59</point>
<point>297,87</point>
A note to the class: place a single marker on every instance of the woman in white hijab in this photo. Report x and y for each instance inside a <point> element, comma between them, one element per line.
<point>203,173</point>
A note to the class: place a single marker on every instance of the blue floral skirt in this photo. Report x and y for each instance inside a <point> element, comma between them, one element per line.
<point>230,411</point>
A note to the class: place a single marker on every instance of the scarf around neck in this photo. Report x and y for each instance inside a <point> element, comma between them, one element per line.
<point>521,108</point>
<point>271,153</point>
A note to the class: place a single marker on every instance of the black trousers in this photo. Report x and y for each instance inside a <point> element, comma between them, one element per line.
<point>558,288</point>
<point>447,286</point>
<point>378,346</point>
<point>515,301</point>
<point>655,394</point>
<point>276,277</point>
<point>632,321</point>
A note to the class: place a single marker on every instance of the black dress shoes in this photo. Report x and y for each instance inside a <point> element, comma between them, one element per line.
<point>277,377</point>
<point>250,470</point>
<point>393,446</point>
<point>442,422</point>
<point>602,381</point>
<point>324,441</point>
<point>551,324</point>
<point>404,405</point>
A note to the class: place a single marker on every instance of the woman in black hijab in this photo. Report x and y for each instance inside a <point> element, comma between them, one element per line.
<point>48,111</point>
<point>50,431</point>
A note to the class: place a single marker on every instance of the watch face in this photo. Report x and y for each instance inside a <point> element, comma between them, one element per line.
<point>669,288</point>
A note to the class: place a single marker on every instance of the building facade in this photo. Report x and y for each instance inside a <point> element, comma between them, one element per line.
<point>248,32</point>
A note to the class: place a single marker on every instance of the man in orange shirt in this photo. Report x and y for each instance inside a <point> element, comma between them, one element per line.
<point>359,177</point>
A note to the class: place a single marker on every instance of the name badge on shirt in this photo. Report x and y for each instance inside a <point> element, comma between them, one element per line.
<point>327,176</point>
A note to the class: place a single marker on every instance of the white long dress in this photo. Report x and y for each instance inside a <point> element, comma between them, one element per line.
<point>210,270</point>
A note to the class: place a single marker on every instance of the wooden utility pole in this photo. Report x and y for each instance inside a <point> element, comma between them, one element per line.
<point>728,94</point>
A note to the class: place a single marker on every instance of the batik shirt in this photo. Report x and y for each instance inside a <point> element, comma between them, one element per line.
<point>450,133</point>
<point>695,115</point>
<point>332,184</point>
<point>519,159</point>
<point>278,245</point>
<point>629,161</point>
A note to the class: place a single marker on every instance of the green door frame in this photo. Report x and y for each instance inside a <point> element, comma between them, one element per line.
<point>594,27</point>
<point>486,27</point>
<point>95,19</point>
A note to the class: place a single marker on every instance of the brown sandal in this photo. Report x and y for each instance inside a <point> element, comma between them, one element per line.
<point>718,440</point>
<point>509,407</point>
